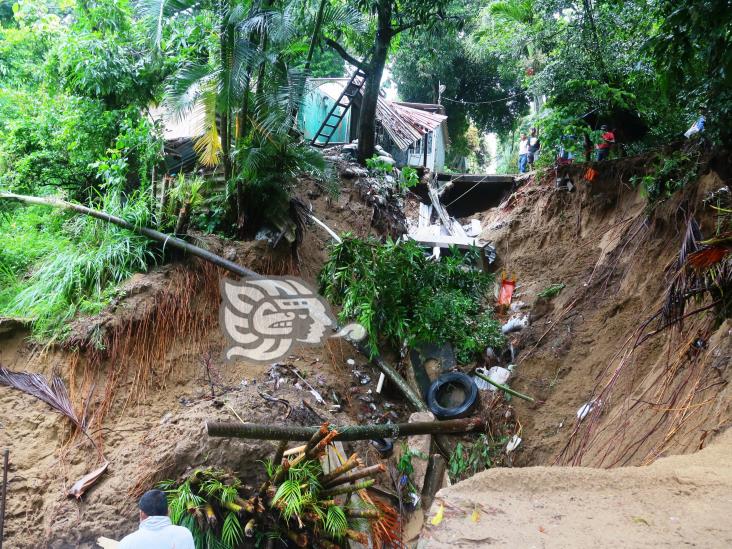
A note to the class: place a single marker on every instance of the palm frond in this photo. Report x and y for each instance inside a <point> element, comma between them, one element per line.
<point>208,146</point>
<point>344,16</point>
<point>518,11</point>
<point>290,495</point>
<point>53,394</point>
<point>185,87</point>
<point>155,12</point>
<point>335,523</point>
<point>231,531</point>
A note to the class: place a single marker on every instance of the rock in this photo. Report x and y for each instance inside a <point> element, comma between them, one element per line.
<point>419,446</point>
<point>351,172</point>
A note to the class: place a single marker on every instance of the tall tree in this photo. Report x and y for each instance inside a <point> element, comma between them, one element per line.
<point>392,17</point>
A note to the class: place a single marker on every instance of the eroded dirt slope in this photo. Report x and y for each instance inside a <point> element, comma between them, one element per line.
<point>672,394</point>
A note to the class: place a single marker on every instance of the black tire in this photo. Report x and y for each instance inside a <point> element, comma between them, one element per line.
<point>463,409</point>
<point>385,446</point>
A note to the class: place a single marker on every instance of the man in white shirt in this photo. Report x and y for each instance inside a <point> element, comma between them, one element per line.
<point>523,153</point>
<point>156,530</point>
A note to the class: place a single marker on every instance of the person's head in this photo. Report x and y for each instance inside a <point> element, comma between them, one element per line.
<point>523,136</point>
<point>153,503</point>
<point>603,127</point>
<point>533,132</point>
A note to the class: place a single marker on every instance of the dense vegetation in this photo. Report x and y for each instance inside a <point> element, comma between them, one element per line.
<point>79,79</point>
<point>394,290</point>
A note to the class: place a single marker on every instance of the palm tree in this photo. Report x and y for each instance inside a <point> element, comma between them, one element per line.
<point>243,94</point>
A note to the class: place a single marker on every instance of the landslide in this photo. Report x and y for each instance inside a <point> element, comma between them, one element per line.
<point>615,256</point>
<point>140,368</point>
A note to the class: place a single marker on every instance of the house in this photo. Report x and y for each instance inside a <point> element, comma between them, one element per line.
<point>415,134</point>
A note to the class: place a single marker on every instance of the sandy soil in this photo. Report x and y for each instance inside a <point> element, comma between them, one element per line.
<point>679,501</point>
<point>150,375</point>
<point>612,257</point>
<point>597,241</point>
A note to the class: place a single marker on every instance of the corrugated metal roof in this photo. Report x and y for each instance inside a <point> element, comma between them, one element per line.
<point>406,123</point>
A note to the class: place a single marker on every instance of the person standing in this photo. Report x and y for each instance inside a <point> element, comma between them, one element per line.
<point>156,530</point>
<point>523,153</point>
<point>607,140</point>
<point>534,146</point>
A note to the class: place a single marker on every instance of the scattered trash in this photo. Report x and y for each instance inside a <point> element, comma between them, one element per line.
<point>497,374</point>
<point>351,362</point>
<point>87,481</point>
<point>696,127</point>
<point>385,446</point>
<point>552,290</point>
<point>591,174</point>
<point>437,519</point>
<point>490,357</point>
<point>475,516</point>
<point>513,444</point>
<point>380,384</point>
<point>505,389</point>
<point>515,324</point>
<point>586,409</point>
<point>506,292</point>
<point>318,397</point>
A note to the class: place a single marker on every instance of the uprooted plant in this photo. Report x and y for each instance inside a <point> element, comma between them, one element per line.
<point>299,503</point>
<point>394,289</point>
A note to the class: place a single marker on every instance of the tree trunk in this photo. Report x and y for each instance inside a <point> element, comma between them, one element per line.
<point>152,234</point>
<point>258,431</point>
<point>367,119</point>
<point>316,34</point>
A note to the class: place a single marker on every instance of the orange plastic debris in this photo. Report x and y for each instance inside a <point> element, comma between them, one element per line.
<point>506,292</point>
<point>591,174</point>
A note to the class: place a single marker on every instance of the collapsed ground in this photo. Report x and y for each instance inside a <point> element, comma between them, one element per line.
<point>599,242</point>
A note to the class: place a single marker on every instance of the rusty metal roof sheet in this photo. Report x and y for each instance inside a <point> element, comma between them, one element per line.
<point>406,123</point>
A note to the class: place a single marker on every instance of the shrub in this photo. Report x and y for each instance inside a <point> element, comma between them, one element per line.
<point>395,290</point>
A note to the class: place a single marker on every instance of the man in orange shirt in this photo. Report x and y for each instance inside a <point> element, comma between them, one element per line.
<point>607,140</point>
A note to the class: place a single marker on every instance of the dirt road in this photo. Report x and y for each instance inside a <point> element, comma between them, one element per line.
<point>679,501</point>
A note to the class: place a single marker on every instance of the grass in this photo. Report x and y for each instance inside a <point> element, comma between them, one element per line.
<point>55,265</point>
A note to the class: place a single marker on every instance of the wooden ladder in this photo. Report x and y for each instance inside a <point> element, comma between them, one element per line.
<point>331,122</point>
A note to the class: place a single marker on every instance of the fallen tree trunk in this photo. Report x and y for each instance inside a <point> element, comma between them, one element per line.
<point>259,431</point>
<point>167,240</point>
<point>152,234</point>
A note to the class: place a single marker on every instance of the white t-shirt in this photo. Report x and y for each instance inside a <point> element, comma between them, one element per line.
<point>524,146</point>
<point>158,533</point>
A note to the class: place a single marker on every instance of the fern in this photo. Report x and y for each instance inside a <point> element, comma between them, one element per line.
<point>335,523</point>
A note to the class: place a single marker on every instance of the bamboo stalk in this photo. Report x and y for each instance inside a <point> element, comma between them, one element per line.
<point>505,388</point>
<point>280,453</point>
<point>363,513</point>
<point>168,240</point>
<point>433,479</point>
<point>4,494</point>
<point>357,475</point>
<point>347,489</point>
<point>260,431</point>
<point>317,436</point>
<point>351,463</point>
